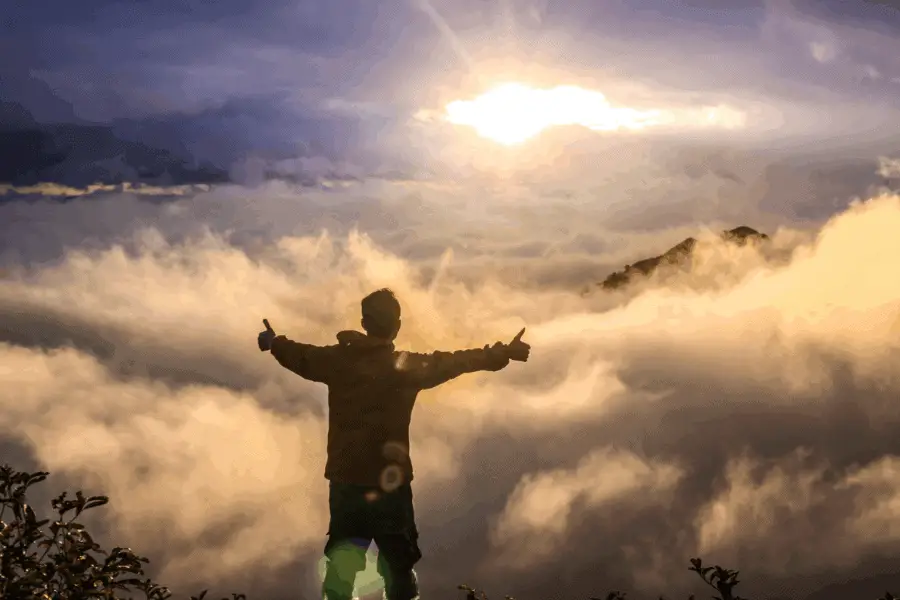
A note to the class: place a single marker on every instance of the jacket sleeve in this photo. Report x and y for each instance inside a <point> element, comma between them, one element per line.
<point>431,370</point>
<point>315,363</point>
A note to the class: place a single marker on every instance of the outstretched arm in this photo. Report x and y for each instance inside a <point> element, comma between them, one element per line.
<point>431,370</point>
<point>316,363</point>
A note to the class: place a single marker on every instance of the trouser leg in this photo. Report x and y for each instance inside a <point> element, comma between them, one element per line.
<point>397,539</point>
<point>346,557</point>
<point>397,555</point>
<point>348,539</point>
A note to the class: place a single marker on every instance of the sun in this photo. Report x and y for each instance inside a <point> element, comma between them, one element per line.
<point>513,113</point>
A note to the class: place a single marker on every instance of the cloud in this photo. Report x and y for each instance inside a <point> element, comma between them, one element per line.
<point>206,462</point>
<point>822,52</point>
<point>763,505</point>
<point>747,408</point>
<point>855,43</point>
<point>537,518</point>
<point>889,168</point>
<point>872,72</point>
<point>55,189</point>
<point>235,83</point>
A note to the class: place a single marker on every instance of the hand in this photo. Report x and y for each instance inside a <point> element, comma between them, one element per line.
<point>265,337</point>
<point>517,349</point>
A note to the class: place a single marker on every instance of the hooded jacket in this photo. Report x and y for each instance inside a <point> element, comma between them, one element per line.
<point>371,392</point>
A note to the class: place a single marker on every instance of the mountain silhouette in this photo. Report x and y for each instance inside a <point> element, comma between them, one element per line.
<point>676,256</point>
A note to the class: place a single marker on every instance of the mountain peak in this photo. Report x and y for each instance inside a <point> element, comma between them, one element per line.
<point>677,255</point>
<point>742,234</point>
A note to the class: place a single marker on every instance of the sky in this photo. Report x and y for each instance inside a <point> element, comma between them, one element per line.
<point>742,411</point>
<point>353,82</point>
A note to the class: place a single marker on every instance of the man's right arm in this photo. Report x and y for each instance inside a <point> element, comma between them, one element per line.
<point>315,363</point>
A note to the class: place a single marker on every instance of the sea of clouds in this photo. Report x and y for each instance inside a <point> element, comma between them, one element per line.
<point>745,412</point>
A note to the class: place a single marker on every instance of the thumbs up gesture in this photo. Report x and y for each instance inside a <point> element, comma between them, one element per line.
<point>264,339</point>
<point>517,349</point>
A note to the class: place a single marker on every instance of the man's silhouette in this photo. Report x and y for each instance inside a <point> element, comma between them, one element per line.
<point>371,392</point>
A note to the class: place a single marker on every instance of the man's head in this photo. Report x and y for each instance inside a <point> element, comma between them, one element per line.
<point>381,314</point>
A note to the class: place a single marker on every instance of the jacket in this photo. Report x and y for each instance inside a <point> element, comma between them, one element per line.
<point>371,392</point>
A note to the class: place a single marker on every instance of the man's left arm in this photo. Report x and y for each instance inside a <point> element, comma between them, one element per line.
<point>431,370</point>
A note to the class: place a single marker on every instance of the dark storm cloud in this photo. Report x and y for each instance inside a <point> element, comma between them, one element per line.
<point>118,58</point>
<point>220,82</point>
<point>215,82</point>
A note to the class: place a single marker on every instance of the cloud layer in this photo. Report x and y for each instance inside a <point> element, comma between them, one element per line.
<point>746,413</point>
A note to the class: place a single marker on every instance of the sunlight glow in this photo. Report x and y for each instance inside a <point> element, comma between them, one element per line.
<point>512,113</point>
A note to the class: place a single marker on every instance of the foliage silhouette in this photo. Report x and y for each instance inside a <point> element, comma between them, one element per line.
<point>718,578</point>
<point>59,559</point>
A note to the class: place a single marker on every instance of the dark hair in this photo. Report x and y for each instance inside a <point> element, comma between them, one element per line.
<point>381,312</point>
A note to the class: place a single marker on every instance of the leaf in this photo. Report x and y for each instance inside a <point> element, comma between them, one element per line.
<point>96,501</point>
<point>35,478</point>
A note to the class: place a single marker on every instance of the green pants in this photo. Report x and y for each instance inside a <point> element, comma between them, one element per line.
<point>359,516</point>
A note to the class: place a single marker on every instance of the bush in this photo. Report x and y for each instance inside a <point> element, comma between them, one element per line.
<point>59,560</point>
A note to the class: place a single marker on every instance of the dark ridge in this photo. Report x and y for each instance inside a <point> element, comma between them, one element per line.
<point>677,255</point>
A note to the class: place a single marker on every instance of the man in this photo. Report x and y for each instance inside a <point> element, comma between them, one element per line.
<point>371,392</point>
